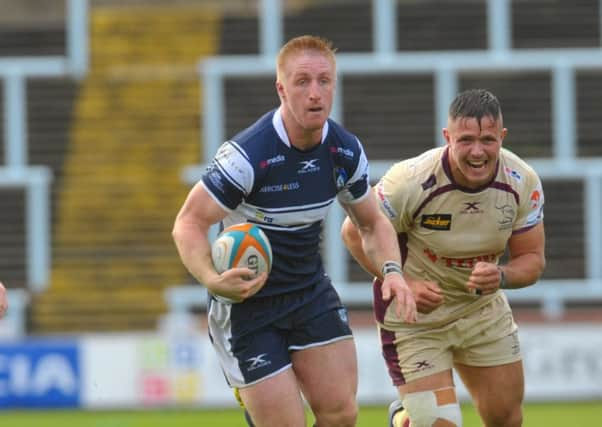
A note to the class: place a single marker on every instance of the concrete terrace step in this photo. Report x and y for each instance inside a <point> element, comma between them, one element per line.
<point>131,136</point>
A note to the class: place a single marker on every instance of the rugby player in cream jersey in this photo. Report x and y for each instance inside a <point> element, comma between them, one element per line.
<point>456,210</point>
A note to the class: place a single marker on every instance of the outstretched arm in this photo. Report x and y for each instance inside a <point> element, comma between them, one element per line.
<point>190,233</point>
<point>377,246</point>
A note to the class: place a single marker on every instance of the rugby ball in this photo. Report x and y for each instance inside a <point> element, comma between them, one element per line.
<point>242,245</point>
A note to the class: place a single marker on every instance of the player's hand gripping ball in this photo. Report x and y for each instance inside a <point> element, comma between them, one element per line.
<point>242,245</point>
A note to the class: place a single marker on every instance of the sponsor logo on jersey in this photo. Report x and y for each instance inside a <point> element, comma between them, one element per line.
<point>384,202</point>
<point>535,199</point>
<point>216,178</point>
<point>224,152</point>
<point>344,151</point>
<point>231,165</point>
<point>436,221</point>
<point>261,216</point>
<point>291,186</point>
<point>512,173</point>
<point>272,161</point>
<point>458,262</point>
<point>536,205</point>
<point>534,217</point>
<point>229,158</point>
<point>309,166</point>
<point>472,208</point>
<point>505,216</point>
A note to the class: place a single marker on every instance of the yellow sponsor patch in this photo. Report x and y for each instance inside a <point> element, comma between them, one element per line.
<point>436,221</point>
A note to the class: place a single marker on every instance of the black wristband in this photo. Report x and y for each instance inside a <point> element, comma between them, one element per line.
<point>390,267</point>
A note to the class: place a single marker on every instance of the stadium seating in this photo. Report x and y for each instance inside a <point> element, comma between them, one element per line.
<point>134,125</point>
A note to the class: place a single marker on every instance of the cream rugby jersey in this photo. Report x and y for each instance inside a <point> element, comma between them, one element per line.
<point>445,229</point>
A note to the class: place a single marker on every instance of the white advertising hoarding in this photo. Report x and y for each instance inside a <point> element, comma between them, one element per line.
<point>561,362</point>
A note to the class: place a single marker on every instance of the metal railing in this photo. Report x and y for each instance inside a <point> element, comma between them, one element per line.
<point>445,67</point>
<point>17,172</point>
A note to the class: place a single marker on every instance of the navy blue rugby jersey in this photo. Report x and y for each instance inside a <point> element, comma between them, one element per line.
<point>259,177</point>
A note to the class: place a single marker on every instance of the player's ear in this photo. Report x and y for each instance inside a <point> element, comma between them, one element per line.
<point>504,133</point>
<point>280,89</point>
<point>446,135</point>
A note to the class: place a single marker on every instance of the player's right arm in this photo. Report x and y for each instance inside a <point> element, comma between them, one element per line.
<point>190,233</point>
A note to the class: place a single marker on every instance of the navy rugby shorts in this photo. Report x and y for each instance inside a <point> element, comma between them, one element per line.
<point>254,339</point>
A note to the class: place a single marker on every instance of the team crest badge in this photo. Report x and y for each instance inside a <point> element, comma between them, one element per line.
<point>340,177</point>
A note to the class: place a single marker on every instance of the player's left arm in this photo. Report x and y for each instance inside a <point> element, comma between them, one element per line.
<point>527,258</point>
<point>525,266</point>
<point>526,245</point>
<point>353,241</point>
<point>377,246</point>
<point>369,235</point>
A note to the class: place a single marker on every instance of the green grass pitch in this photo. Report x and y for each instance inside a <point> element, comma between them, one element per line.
<point>587,414</point>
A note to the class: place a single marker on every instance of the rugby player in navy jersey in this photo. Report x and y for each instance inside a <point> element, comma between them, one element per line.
<point>285,336</point>
<point>456,209</point>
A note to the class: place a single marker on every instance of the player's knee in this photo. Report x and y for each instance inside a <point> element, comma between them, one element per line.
<point>504,416</point>
<point>516,417</point>
<point>343,416</point>
<point>347,417</point>
<point>438,408</point>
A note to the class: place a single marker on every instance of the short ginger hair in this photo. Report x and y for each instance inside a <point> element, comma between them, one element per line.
<point>302,44</point>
